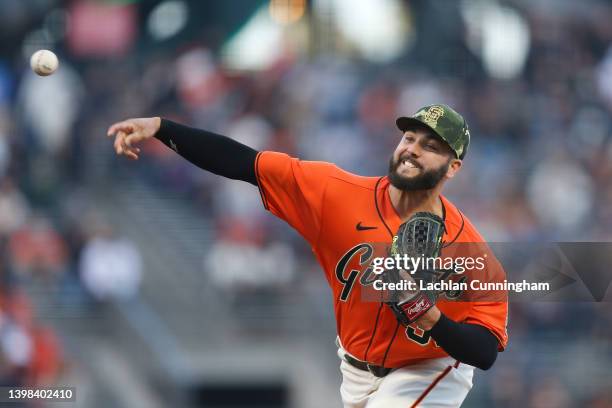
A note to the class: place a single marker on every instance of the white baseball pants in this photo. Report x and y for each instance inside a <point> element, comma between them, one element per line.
<point>439,383</point>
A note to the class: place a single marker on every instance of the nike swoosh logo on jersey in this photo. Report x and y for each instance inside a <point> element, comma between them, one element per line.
<point>363,227</point>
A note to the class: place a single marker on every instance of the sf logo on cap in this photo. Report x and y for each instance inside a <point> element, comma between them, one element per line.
<point>432,115</point>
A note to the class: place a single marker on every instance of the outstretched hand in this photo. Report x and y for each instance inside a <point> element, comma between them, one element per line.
<point>130,132</point>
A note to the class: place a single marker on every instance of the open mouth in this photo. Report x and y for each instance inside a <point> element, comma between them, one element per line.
<point>406,163</point>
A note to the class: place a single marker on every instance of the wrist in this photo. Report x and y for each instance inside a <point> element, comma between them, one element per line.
<point>157,123</point>
<point>429,319</point>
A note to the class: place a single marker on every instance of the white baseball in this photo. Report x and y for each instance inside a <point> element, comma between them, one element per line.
<point>44,62</point>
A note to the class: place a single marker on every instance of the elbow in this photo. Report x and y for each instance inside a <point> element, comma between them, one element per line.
<point>488,353</point>
<point>487,362</point>
<point>485,365</point>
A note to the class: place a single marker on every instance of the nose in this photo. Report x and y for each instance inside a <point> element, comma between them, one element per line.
<point>411,149</point>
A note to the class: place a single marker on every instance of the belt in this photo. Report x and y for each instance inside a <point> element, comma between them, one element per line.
<point>378,371</point>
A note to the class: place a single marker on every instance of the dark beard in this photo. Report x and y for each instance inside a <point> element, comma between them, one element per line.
<point>425,181</point>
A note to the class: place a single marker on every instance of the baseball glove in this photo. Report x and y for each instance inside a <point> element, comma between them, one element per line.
<point>419,237</point>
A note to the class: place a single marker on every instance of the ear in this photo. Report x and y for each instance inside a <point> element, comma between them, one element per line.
<point>453,168</point>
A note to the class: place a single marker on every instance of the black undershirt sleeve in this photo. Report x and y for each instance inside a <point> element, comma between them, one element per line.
<point>218,154</point>
<point>469,343</point>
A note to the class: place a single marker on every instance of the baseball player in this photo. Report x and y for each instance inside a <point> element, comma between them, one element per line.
<point>423,355</point>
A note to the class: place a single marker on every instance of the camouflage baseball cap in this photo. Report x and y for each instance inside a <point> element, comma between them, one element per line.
<point>445,122</point>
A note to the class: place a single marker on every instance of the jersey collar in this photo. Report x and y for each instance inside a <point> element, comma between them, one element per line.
<point>388,214</point>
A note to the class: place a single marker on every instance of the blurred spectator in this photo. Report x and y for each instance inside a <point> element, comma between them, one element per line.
<point>51,123</point>
<point>550,182</point>
<point>13,207</point>
<point>30,353</point>
<point>15,352</point>
<point>243,260</point>
<point>46,362</point>
<point>110,266</point>
<point>37,250</point>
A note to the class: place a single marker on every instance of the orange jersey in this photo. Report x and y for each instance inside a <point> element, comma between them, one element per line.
<point>340,214</point>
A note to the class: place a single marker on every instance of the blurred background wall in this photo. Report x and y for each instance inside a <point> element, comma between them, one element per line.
<point>153,283</point>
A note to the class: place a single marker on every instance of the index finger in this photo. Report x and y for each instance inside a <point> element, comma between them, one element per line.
<point>125,126</point>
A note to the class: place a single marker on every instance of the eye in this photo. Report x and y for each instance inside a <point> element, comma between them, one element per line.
<point>432,147</point>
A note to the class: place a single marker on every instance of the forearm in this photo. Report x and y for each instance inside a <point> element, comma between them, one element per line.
<point>218,154</point>
<point>469,343</point>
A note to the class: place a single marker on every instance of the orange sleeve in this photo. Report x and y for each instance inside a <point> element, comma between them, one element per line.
<point>293,190</point>
<point>493,316</point>
<point>490,307</point>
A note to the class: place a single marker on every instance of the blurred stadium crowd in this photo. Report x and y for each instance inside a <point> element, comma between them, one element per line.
<point>538,169</point>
